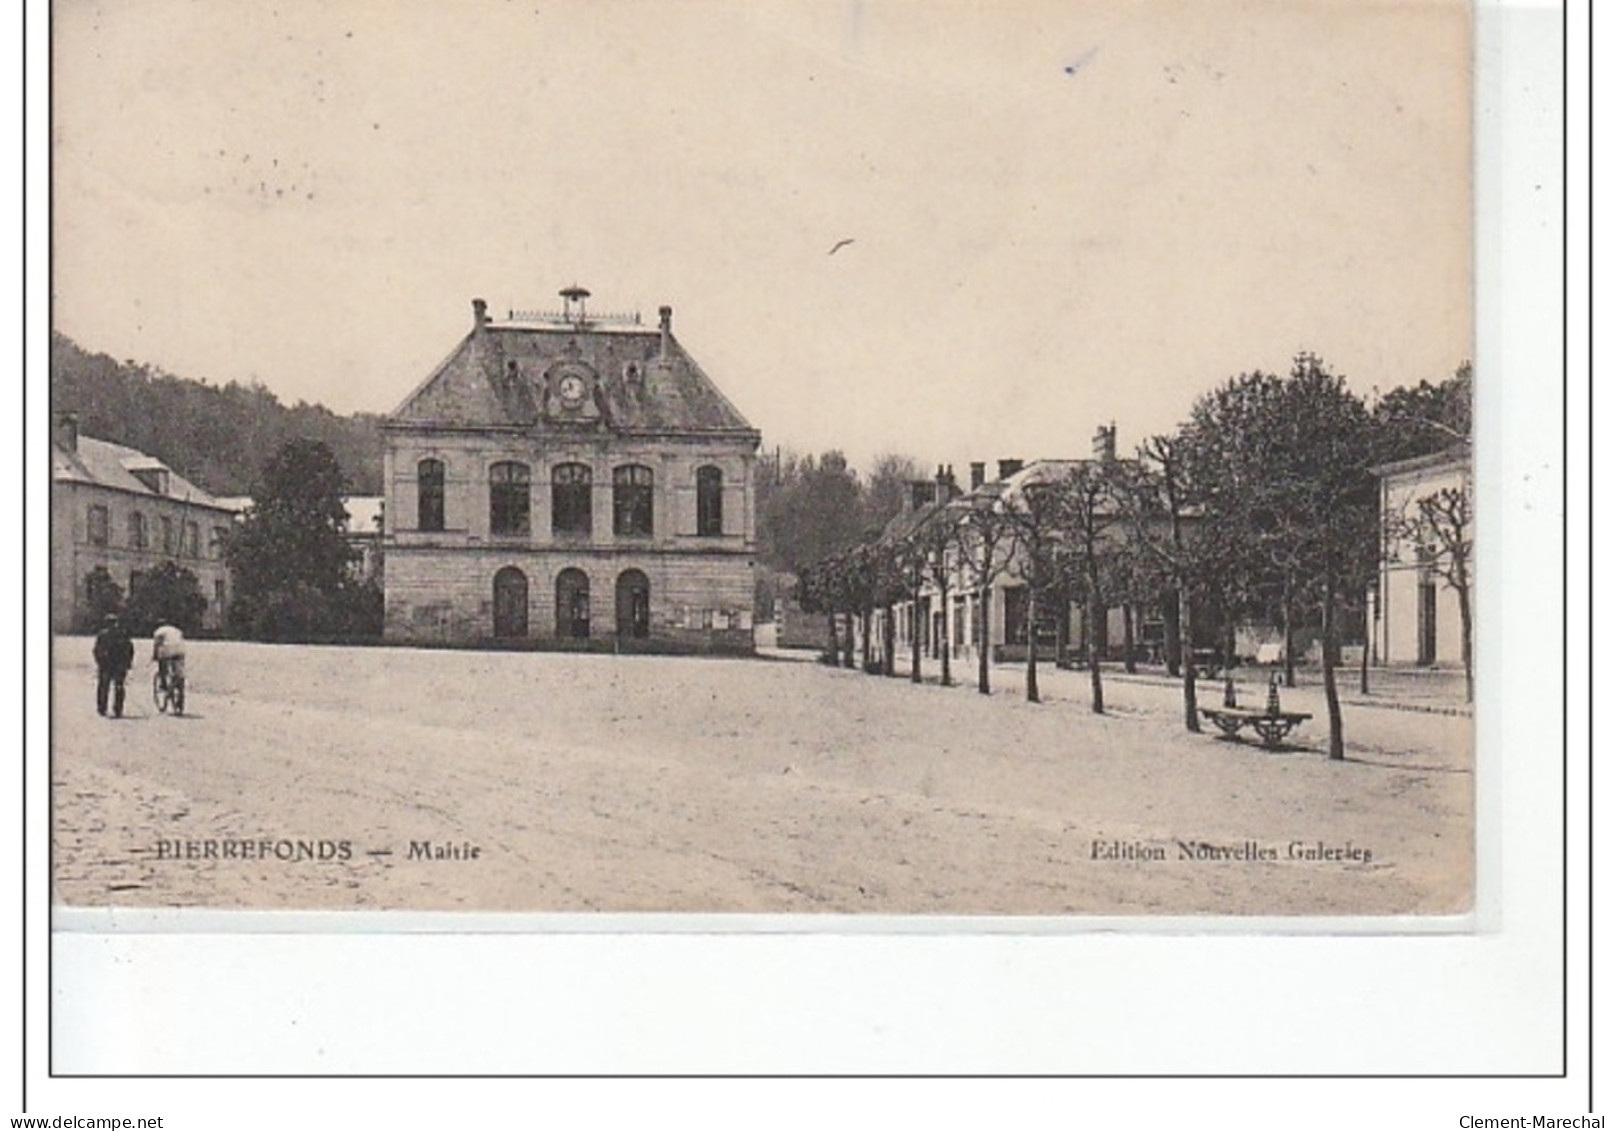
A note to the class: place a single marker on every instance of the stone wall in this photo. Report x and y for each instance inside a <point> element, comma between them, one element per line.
<point>445,595</point>
<point>74,555</point>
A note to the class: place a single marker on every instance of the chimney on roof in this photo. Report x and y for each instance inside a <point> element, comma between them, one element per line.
<point>1104,443</point>
<point>978,474</point>
<point>67,434</point>
<point>1008,467</point>
<point>666,314</point>
<point>479,314</point>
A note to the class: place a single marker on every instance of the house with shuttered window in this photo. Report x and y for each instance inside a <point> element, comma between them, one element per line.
<point>573,477</point>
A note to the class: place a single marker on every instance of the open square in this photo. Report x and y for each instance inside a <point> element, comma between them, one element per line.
<point>387,778</point>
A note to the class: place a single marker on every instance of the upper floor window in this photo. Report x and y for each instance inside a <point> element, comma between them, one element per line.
<point>631,498</point>
<point>429,494</point>
<point>193,540</point>
<point>155,479</point>
<point>709,501</point>
<point>97,525</point>
<point>571,499</point>
<point>220,535</point>
<point>138,538</point>
<point>508,498</point>
<point>168,534</point>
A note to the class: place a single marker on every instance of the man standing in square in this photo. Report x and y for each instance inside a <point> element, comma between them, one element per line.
<point>114,655</point>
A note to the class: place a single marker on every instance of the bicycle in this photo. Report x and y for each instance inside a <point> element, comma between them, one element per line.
<point>168,691</point>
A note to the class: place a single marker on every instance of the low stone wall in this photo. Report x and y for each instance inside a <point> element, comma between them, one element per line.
<point>698,602</point>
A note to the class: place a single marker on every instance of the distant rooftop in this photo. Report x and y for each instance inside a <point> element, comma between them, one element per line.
<point>573,314</point>
<point>643,382</point>
<point>84,459</point>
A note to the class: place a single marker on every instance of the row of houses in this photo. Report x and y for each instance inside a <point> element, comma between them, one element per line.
<point>1409,616</point>
<point>956,618</point>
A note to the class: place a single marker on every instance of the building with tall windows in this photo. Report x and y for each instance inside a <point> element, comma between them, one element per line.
<point>568,476</point>
<point>117,514</point>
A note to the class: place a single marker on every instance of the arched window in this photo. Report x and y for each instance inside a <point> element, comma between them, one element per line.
<point>572,604</point>
<point>709,501</point>
<point>633,604</point>
<point>429,495</point>
<point>508,503</point>
<point>571,502</point>
<point>631,500</point>
<point>510,603</point>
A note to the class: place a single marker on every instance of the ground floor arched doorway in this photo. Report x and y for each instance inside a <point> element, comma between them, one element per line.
<point>572,604</point>
<point>510,603</point>
<point>633,604</point>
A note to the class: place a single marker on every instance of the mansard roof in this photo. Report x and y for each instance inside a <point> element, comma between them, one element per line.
<point>105,464</point>
<point>647,384</point>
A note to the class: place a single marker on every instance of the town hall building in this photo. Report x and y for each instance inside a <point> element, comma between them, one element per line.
<point>573,477</point>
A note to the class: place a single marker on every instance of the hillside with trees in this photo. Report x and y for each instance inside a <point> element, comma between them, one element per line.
<point>218,436</point>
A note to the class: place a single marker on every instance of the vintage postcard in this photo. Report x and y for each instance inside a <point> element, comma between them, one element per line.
<point>991,461</point>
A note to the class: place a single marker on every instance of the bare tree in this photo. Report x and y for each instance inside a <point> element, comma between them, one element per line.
<point>1153,496</point>
<point>935,541</point>
<point>1443,529</point>
<point>1085,511</point>
<point>984,543</point>
<point>887,591</point>
<point>912,564</point>
<point>1449,516</point>
<point>1033,509</point>
<point>1132,578</point>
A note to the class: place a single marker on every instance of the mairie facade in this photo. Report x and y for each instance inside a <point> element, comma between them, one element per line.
<point>570,478</point>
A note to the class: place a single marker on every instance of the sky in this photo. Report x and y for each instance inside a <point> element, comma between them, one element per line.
<point>1060,215</point>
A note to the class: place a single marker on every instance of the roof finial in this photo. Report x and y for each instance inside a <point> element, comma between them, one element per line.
<point>575,298</point>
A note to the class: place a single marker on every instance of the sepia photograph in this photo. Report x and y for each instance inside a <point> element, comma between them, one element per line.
<point>874,460</point>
